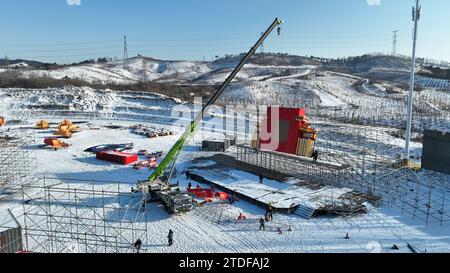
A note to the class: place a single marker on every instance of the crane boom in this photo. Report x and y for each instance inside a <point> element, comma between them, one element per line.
<point>175,150</point>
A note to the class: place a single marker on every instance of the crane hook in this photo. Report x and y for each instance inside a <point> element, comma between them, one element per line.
<point>279,31</point>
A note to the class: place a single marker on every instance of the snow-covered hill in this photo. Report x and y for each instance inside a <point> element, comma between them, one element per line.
<point>147,69</point>
<point>137,69</point>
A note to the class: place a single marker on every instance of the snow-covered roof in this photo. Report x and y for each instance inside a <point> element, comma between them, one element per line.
<point>7,220</point>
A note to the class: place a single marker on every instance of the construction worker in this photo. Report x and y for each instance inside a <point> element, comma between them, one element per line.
<point>266,217</point>
<point>269,213</point>
<point>315,156</point>
<point>241,217</point>
<point>232,199</point>
<point>189,186</point>
<point>170,237</point>
<point>138,245</point>
<point>261,178</point>
<point>188,175</point>
<point>262,224</point>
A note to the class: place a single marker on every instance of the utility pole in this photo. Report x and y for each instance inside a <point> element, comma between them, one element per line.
<point>6,62</point>
<point>394,43</point>
<point>125,52</point>
<point>416,12</point>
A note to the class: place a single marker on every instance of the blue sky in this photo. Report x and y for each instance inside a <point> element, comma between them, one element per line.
<point>52,30</point>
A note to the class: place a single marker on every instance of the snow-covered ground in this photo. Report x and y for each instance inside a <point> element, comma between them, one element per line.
<point>214,228</point>
<point>330,97</point>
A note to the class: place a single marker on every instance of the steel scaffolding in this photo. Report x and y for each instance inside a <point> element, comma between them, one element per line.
<point>17,161</point>
<point>82,216</point>
<point>367,160</point>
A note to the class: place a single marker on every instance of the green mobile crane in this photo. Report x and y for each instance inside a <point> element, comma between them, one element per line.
<point>159,185</point>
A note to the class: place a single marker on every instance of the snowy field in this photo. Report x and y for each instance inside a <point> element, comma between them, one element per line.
<point>214,228</point>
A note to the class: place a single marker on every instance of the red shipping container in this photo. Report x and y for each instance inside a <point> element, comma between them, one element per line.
<point>117,157</point>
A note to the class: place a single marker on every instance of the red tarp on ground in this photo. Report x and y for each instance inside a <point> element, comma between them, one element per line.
<point>117,157</point>
<point>207,193</point>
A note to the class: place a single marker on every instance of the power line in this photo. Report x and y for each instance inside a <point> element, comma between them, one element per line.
<point>191,45</point>
<point>63,49</point>
<point>339,37</point>
<point>199,50</point>
<point>193,39</point>
<point>67,55</point>
<point>61,44</point>
<point>196,45</point>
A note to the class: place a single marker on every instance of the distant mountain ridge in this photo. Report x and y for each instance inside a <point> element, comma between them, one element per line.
<point>259,67</point>
<point>4,62</point>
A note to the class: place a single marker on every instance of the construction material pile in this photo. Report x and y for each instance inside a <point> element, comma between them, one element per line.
<point>5,140</point>
<point>42,124</point>
<point>55,143</point>
<point>66,128</point>
<point>110,147</point>
<point>151,163</point>
<point>342,209</point>
<point>150,131</point>
<point>216,146</point>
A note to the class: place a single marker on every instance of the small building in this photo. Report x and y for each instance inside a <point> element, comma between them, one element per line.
<point>216,146</point>
<point>10,233</point>
<point>436,151</point>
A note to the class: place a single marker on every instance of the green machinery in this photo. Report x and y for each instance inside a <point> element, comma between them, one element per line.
<point>159,182</point>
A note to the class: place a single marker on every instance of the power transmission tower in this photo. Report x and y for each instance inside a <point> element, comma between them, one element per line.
<point>416,12</point>
<point>144,69</point>
<point>125,52</point>
<point>394,43</point>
